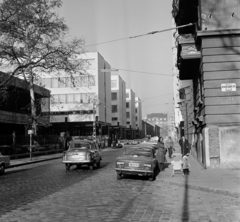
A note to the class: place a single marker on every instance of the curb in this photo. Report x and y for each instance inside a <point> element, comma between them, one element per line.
<point>32,162</point>
<point>202,188</point>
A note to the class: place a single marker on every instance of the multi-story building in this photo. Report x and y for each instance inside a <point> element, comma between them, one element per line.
<point>130,114</point>
<point>15,112</point>
<point>118,104</point>
<point>77,103</point>
<point>138,117</point>
<point>208,61</point>
<point>161,120</point>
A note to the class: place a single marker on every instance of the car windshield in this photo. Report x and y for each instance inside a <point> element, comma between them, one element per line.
<point>138,152</point>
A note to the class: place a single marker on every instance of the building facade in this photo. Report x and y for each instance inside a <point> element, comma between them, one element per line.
<point>15,108</point>
<point>80,103</point>
<point>138,117</point>
<point>130,114</point>
<point>208,63</point>
<point>118,106</point>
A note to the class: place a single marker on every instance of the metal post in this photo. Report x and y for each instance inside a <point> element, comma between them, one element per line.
<point>94,124</point>
<point>31,146</point>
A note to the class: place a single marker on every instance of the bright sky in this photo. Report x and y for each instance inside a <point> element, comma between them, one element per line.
<point>99,21</point>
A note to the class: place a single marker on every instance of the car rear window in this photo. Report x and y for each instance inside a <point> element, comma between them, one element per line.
<point>138,152</point>
<point>80,145</point>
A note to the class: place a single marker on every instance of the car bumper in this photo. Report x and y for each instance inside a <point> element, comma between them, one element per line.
<point>134,172</point>
<point>77,161</point>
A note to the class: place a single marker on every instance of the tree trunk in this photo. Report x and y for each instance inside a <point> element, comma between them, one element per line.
<point>33,106</point>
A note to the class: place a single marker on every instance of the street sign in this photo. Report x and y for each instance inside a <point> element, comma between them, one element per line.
<point>228,87</point>
<point>30,131</point>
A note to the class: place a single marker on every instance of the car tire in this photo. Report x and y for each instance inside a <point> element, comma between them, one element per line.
<point>91,167</point>
<point>119,177</point>
<point>2,169</point>
<point>67,166</point>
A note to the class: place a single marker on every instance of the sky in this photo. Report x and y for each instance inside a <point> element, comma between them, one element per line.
<point>148,57</point>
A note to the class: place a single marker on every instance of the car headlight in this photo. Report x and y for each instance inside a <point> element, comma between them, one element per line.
<point>147,165</point>
<point>120,163</point>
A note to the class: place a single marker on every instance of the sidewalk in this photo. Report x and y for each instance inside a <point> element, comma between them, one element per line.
<point>35,159</point>
<point>221,181</point>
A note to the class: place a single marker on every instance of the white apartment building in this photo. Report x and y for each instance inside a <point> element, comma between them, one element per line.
<point>130,113</point>
<point>76,104</point>
<point>138,117</point>
<point>118,104</point>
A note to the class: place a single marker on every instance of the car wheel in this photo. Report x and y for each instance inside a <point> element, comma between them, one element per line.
<point>67,166</point>
<point>2,169</point>
<point>91,167</point>
<point>119,177</point>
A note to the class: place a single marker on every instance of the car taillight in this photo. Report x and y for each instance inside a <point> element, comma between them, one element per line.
<point>147,165</point>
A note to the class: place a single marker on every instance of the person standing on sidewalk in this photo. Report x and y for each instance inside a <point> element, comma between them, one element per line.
<point>160,155</point>
<point>183,142</point>
<point>169,145</point>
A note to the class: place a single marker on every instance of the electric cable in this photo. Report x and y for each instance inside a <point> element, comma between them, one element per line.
<point>137,36</point>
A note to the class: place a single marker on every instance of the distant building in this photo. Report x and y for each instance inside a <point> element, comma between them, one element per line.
<point>118,106</point>
<point>161,120</point>
<point>130,114</point>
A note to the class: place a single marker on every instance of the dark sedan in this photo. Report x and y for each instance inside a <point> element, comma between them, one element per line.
<point>137,160</point>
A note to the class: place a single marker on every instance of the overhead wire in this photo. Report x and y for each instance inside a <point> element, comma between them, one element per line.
<point>137,36</point>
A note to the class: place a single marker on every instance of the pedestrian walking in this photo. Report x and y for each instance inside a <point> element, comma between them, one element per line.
<point>183,142</point>
<point>161,152</point>
<point>169,146</point>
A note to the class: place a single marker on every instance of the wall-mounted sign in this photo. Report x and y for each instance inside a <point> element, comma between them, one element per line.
<point>226,87</point>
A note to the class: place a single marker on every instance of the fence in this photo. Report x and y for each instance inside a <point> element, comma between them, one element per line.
<point>21,144</point>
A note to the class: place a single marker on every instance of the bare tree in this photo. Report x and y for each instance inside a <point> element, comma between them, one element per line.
<point>33,41</point>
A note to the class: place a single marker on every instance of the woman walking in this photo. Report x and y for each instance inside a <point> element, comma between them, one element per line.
<point>160,155</point>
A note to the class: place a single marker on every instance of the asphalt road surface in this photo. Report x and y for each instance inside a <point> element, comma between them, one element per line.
<point>22,185</point>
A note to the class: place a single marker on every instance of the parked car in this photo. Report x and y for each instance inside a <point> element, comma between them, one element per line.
<point>82,152</point>
<point>137,160</point>
<point>4,163</point>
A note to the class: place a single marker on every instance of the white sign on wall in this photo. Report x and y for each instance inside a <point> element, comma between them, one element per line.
<point>226,87</point>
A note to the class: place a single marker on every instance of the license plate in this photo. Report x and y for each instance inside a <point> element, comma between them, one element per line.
<point>133,164</point>
<point>77,157</point>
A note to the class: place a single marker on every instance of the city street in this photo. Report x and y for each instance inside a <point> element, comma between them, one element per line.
<point>45,192</point>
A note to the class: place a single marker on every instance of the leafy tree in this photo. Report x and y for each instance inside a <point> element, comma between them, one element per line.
<point>33,40</point>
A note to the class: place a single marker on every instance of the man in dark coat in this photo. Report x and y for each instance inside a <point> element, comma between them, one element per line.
<point>183,142</point>
<point>160,155</point>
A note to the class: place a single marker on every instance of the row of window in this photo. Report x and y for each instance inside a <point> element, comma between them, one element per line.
<point>69,112</point>
<point>72,98</point>
<point>63,82</point>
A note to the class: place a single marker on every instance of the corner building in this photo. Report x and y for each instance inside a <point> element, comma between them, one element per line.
<point>209,71</point>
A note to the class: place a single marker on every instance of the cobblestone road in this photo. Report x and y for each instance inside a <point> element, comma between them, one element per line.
<point>103,198</point>
<point>28,183</point>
